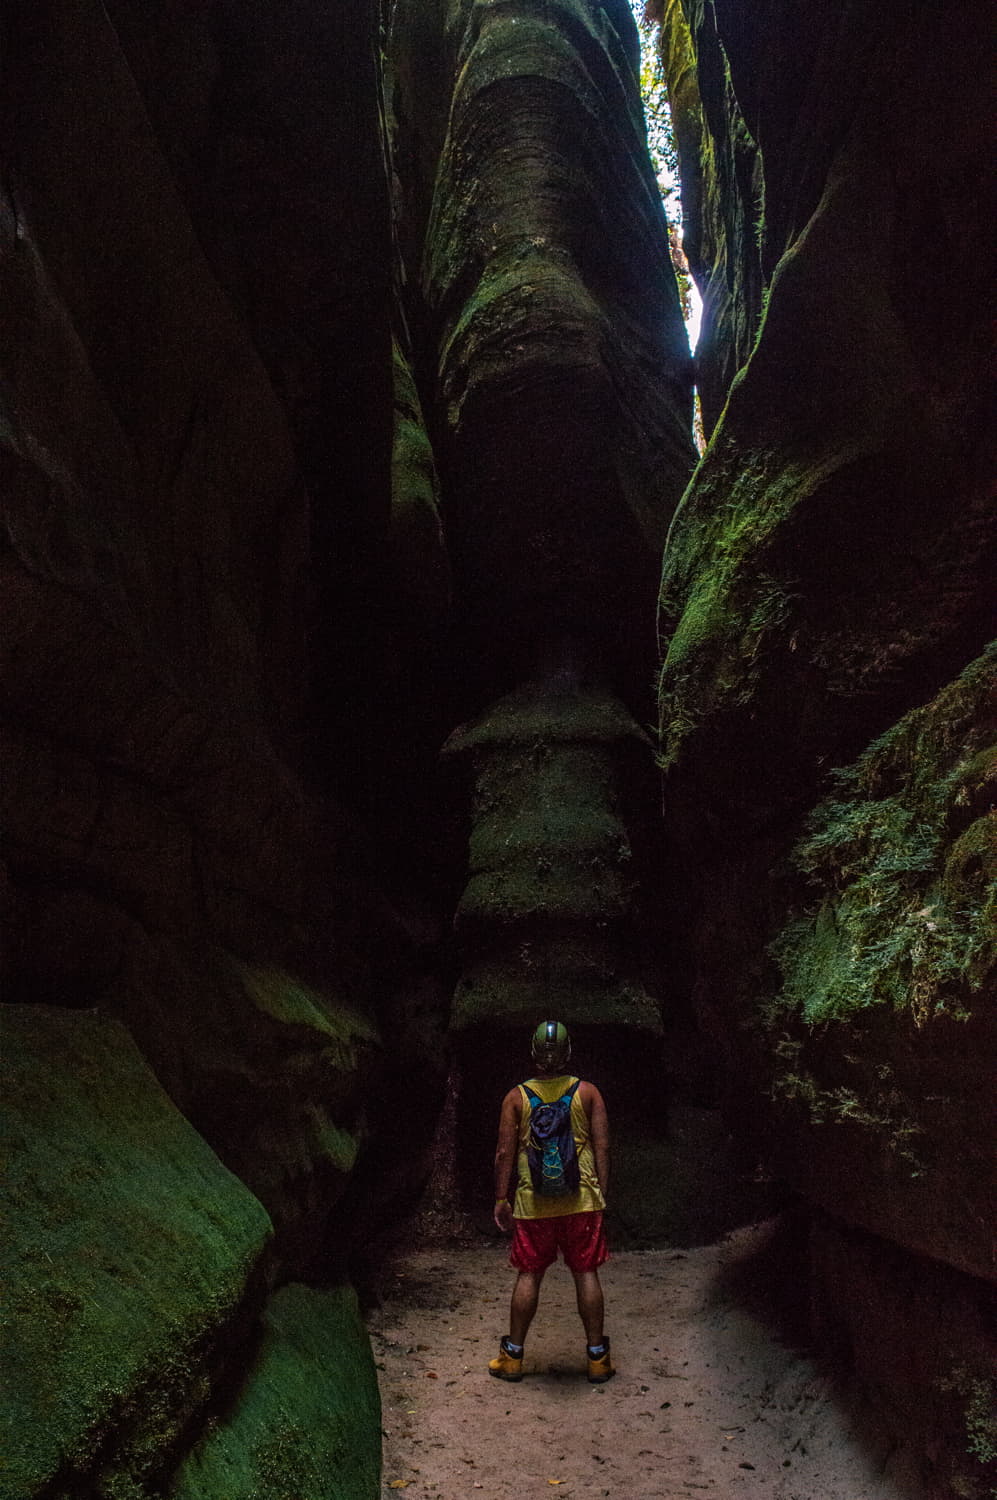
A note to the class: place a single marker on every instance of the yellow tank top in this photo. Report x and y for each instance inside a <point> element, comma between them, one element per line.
<point>588,1198</point>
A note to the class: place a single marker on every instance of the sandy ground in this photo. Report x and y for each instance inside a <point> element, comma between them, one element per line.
<point>712,1396</point>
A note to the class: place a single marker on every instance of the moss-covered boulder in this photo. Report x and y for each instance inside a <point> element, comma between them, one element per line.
<point>305,1423</point>
<point>145,878</point>
<point>133,1262</point>
<point>274,1073</point>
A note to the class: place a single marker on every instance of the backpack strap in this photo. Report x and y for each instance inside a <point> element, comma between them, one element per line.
<point>532,1097</point>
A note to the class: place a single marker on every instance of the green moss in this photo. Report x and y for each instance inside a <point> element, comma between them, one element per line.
<point>981,1421</point>
<point>306,1424</point>
<point>278,994</point>
<point>566,978</point>
<point>881,1110</point>
<point>803,416</point>
<point>721,609</point>
<point>334,1144</point>
<point>976,1392</point>
<point>909,898</point>
<point>418,551</point>
<point>546,838</point>
<point>543,917</point>
<point>533,717</point>
<point>722,634</point>
<point>129,1248</point>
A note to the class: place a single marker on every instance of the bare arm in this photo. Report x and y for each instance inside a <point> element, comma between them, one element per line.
<point>506,1151</point>
<point>599,1127</point>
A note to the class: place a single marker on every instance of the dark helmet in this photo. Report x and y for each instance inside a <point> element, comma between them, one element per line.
<point>551,1046</point>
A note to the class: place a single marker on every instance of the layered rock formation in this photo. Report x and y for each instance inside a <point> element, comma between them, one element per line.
<point>827,593</point>
<point>189,520</point>
<point>346,412</point>
<point>246,603</point>
<point>548,335</point>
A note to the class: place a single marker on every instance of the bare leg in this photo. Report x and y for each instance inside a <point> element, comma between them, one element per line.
<point>588,1291</point>
<point>525,1296</point>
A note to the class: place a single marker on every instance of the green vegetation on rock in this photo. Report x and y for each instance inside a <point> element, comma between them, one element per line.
<point>290,1002</point>
<point>129,1252</point>
<point>418,550</point>
<point>550,890</point>
<point>905,858</point>
<point>306,1424</point>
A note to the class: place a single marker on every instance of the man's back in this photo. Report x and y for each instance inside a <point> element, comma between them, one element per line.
<point>586,1197</point>
<point>559,1194</point>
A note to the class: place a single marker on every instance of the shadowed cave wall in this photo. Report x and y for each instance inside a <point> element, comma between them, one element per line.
<point>346,423</point>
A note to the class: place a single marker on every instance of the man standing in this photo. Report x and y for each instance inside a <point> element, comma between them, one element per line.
<point>554,1135</point>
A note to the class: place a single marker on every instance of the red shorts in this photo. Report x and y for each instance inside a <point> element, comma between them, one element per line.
<point>580,1238</point>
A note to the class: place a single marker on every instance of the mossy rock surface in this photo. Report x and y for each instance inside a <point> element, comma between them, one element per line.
<point>568,980</point>
<point>904,857</point>
<point>129,1253</point>
<point>883,1034</point>
<point>814,589</point>
<point>417,546</point>
<point>271,1070</point>
<point>545,920</point>
<point>306,1424</point>
<point>548,321</point>
<point>535,715</point>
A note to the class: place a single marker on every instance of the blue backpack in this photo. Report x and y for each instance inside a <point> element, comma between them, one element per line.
<point>550,1145</point>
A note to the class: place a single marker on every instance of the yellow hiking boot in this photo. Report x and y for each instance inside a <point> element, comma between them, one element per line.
<point>601,1367</point>
<point>506,1366</point>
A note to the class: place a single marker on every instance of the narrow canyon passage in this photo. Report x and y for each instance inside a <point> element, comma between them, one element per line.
<point>385,670</point>
<point>715,1393</point>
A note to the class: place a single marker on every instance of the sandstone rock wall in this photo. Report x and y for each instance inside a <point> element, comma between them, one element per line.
<point>134,1262</point>
<point>338,400</point>
<point>196,268</point>
<point>826,604</point>
<point>553,365</point>
<point>345,412</point>
<point>544,306</point>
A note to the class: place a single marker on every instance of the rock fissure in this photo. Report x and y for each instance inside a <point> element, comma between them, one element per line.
<point>354,540</point>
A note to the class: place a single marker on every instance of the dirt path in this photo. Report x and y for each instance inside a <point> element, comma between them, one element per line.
<point>708,1400</point>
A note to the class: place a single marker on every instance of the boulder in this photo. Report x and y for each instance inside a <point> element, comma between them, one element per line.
<point>134,1262</point>
<point>306,1418</point>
